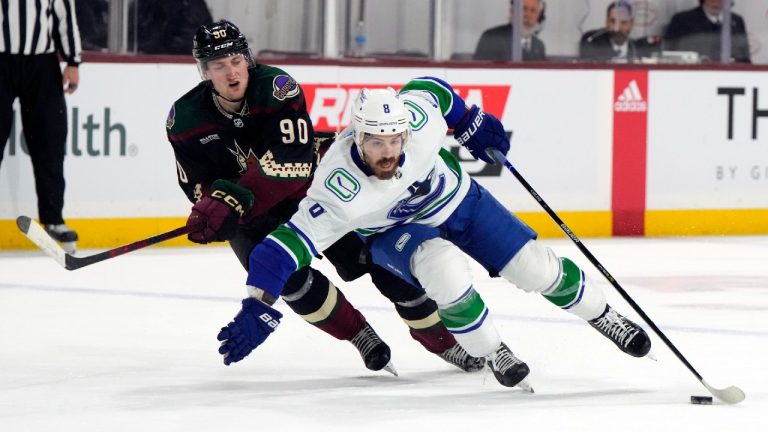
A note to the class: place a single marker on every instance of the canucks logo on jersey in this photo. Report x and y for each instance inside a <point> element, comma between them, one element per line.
<point>421,197</point>
<point>342,184</point>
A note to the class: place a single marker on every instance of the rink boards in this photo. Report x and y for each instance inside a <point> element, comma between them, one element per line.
<point>613,152</point>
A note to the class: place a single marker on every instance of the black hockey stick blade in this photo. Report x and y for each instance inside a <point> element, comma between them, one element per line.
<point>47,244</point>
<point>729,395</point>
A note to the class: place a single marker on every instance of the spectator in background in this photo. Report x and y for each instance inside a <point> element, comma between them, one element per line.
<point>30,71</point>
<point>698,30</point>
<point>611,42</point>
<point>92,19</point>
<point>167,26</point>
<point>496,43</point>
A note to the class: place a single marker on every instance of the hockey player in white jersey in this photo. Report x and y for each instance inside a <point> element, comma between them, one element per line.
<point>388,178</point>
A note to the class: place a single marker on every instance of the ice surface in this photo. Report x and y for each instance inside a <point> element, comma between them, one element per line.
<point>130,344</point>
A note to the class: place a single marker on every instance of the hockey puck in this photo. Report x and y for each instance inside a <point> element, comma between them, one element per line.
<point>701,400</point>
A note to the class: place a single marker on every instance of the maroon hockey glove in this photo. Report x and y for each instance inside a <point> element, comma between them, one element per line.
<point>216,215</point>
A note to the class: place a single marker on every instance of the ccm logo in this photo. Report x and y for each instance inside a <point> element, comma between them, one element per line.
<point>229,200</point>
<point>222,46</point>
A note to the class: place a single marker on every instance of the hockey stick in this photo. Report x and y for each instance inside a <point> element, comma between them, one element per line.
<point>48,245</point>
<point>730,395</point>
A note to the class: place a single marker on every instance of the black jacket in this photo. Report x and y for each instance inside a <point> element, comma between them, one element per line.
<point>495,44</point>
<point>596,45</point>
<point>691,30</point>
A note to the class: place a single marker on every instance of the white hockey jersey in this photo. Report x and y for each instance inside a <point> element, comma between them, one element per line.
<point>344,196</point>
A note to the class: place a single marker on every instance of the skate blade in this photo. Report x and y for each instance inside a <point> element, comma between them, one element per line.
<point>69,247</point>
<point>525,386</point>
<point>651,356</point>
<point>391,368</point>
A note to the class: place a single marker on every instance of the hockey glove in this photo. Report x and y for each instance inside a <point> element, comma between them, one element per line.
<point>478,132</point>
<point>216,215</point>
<point>249,329</point>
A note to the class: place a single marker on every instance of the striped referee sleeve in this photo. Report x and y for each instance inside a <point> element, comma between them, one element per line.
<point>30,27</point>
<point>68,34</point>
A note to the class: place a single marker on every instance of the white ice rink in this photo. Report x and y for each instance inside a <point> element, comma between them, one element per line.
<point>130,344</point>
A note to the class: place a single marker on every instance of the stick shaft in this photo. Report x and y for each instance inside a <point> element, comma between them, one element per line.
<point>73,262</point>
<point>500,157</point>
<point>47,244</point>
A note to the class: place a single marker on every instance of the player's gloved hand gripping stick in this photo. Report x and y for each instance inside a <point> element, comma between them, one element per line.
<point>479,133</point>
<point>213,218</point>
<point>217,214</point>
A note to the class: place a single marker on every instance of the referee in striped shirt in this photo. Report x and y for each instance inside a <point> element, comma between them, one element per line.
<point>32,34</point>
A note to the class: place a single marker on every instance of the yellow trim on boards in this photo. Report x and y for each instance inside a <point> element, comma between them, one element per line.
<point>110,233</point>
<point>100,233</point>
<point>582,223</point>
<point>706,222</point>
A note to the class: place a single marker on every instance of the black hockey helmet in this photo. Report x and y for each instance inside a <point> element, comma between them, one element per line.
<point>216,40</point>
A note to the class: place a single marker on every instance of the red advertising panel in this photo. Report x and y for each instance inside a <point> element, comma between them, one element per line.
<point>630,129</point>
<point>329,104</point>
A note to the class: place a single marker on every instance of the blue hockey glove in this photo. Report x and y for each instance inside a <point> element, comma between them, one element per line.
<point>478,132</point>
<point>249,329</point>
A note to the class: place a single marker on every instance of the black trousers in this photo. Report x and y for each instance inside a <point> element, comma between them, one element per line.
<point>36,80</point>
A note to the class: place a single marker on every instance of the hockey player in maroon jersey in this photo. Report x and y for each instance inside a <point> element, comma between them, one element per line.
<point>245,154</point>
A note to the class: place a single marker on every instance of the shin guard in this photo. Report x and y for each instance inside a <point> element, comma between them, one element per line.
<point>468,320</point>
<point>311,295</point>
<point>576,293</point>
<point>416,309</point>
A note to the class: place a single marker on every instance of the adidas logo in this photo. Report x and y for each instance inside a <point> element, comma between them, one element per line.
<point>630,100</point>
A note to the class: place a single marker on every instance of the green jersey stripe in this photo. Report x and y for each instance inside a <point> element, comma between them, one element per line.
<point>293,244</point>
<point>444,95</point>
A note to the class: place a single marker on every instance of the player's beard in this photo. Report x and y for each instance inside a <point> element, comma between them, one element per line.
<point>382,173</point>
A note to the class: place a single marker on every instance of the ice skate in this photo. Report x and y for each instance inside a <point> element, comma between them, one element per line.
<point>627,335</point>
<point>457,356</point>
<point>375,353</point>
<point>509,370</point>
<point>64,235</point>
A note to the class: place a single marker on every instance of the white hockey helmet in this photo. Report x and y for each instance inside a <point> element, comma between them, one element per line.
<point>380,112</point>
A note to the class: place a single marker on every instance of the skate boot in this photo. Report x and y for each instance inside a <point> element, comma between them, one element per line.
<point>375,353</point>
<point>627,335</point>
<point>64,235</point>
<point>457,356</point>
<point>509,370</point>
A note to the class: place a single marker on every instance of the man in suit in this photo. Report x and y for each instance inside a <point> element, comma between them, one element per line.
<point>611,42</point>
<point>496,43</point>
<point>698,30</point>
